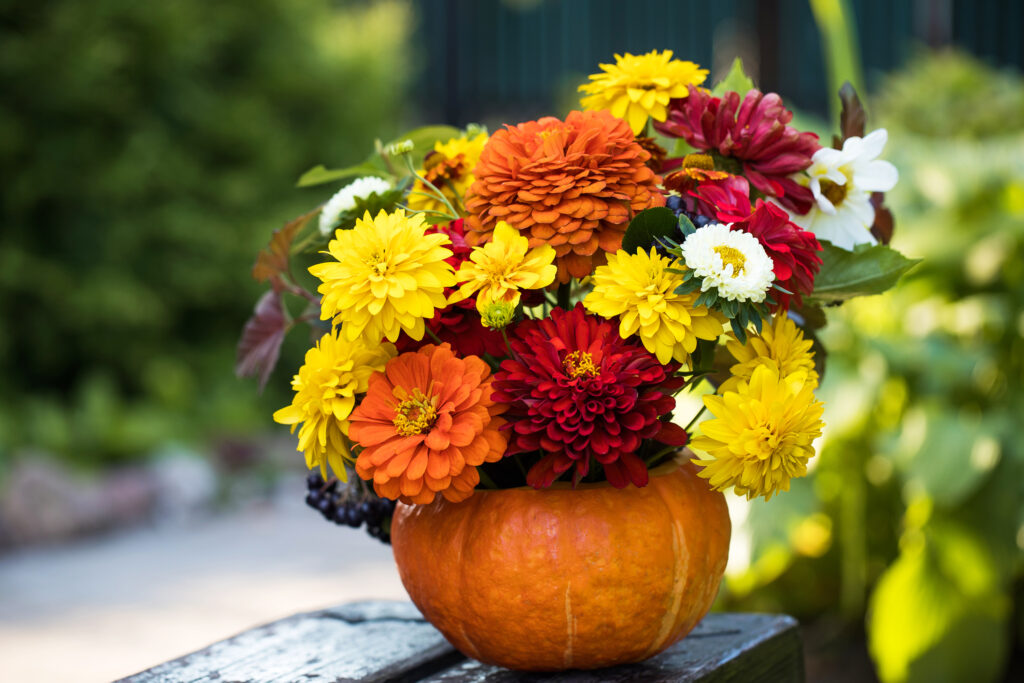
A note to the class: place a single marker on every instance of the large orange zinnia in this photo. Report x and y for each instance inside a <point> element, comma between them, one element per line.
<point>569,184</point>
<point>425,425</point>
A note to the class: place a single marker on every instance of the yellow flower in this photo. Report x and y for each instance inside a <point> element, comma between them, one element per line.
<point>387,278</point>
<point>498,315</point>
<point>637,87</point>
<point>503,266</point>
<point>449,168</point>
<point>642,292</point>
<point>335,371</point>
<point>762,434</point>
<point>780,346</point>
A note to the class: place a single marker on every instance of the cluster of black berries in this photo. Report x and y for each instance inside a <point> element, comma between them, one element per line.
<point>350,506</point>
<point>675,203</point>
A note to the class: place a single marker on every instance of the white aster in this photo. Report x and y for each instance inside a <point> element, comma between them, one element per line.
<point>842,181</point>
<point>732,261</point>
<point>345,199</point>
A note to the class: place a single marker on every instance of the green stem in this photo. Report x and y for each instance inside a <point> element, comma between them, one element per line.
<point>433,336</point>
<point>564,292</point>
<point>695,418</point>
<point>485,479</point>
<point>507,345</point>
<point>440,195</point>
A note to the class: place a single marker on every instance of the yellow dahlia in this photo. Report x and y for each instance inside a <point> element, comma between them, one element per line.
<point>573,184</point>
<point>449,168</point>
<point>388,276</point>
<point>335,370</point>
<point>641,290</point>
<point>503,266</point>
<point>762,434</point>
<point>637,87</point>
<point>780,346</point>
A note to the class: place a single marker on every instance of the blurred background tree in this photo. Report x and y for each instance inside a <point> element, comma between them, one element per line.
<point>146,151</point>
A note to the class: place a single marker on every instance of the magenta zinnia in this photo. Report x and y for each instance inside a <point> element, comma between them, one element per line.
<point>752,129</point>
<point>577,391</point>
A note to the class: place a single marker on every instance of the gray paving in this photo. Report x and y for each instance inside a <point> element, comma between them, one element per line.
<point>100,609</point>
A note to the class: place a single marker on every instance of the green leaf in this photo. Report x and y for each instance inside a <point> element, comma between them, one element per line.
<point>938,613</point>
<point>734,81</point>
<point>686,226</point>
<point>318,175</point>
<point>862,272</point>
<point>647,226</point>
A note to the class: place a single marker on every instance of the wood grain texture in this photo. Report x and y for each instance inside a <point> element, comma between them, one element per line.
<point>390,641</point>
<point>374,641</point>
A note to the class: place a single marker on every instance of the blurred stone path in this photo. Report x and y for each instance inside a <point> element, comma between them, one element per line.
<point>99,609</point>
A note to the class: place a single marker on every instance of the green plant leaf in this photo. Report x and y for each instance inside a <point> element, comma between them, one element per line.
<point>938,613</point>
<point>866,270</point>
<point>320,174</point>
<point>647,226</point>
<point>734,81</point>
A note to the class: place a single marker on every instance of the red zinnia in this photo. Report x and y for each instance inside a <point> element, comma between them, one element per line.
<point>794,252</point>
<point>458,324</point>
<point>577,390</point>
<point>754,131</point>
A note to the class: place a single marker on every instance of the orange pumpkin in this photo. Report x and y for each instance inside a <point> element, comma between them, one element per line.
<point>560,578</point>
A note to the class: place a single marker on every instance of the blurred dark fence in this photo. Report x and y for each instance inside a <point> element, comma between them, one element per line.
<point>485,59</point>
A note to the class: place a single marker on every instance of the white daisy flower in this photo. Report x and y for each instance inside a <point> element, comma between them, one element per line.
<point>733,261</point>
<point>345,199</point>
<point>842,181</point>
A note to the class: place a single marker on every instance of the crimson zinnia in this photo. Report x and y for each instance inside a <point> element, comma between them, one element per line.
<point>794,252</point>
<point>572,184</point>
<point>576,391</point>
<point>755,131</point>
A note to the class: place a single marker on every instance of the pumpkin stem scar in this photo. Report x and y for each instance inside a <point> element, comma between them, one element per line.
<point>570,625</point>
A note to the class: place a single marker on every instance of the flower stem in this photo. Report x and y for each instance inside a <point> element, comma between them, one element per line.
<point>695,418</point>
<point>564,291</point>
<point>433,336</point>
<point>486,480</point>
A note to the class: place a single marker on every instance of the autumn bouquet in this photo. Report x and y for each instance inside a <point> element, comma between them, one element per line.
<point>522,309</point>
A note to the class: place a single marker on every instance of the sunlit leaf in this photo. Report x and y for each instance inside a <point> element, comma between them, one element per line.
<point>260,344</point>
<point>734,81</point>
<point>318,175</point>
<point>937,613</point>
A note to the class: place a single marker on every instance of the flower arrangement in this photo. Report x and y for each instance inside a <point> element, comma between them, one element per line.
<point>521,308</point>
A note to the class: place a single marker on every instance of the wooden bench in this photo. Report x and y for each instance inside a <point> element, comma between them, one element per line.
<point>390,641</point>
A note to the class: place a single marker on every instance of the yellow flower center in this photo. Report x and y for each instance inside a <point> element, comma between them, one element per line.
<point>415,415</point>
<point>702,161</point>
<point>732,257</point>
<point>762,442</point>
<point>378,264</point>
<point>833,192</point>
<point>579,364</point>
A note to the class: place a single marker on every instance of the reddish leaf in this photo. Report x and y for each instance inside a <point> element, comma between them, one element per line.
<point>884,222</point>
<point>273,260</point>
<point>262,335</point>
<point>853,118</point>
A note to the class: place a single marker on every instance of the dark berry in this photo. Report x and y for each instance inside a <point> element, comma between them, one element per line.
<point>701,220</point>
<point>314,481</point>
<point>673,202</point>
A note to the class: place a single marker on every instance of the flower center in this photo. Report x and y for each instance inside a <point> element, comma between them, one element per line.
<point>378,264</point>
<point>438,168</point>
<point>834,192</point>
<point>415,415</point>
<point>579,364</point>
<point>732,257</point>
<point>762,442</point>
<point>702,161</point>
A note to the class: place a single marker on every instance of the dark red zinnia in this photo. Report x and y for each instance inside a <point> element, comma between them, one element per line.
<point>576,391</point>
<point>753,130</point>
<point>794,252</point>
<point>458,324</point>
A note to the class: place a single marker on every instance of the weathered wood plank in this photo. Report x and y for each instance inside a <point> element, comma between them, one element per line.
<point>723,648</point>
<point>390,641</point>
<point>375,641</point>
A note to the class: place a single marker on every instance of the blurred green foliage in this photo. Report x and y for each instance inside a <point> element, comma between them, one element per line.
<point>913,520</point>
<point>147,151</point>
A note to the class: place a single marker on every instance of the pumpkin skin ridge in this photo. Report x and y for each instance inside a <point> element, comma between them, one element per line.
<point>559,578</point>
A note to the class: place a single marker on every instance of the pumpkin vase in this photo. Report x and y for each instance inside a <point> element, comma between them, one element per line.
<point>562,578</point>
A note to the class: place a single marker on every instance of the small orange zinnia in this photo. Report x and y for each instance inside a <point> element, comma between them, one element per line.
<point>425,425</point>
<point>570,184</point>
